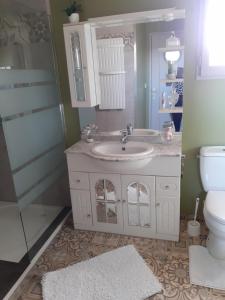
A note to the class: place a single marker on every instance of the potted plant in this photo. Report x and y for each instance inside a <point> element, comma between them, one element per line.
<point>72,12</point>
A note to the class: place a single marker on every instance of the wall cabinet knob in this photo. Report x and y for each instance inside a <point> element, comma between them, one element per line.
<point>157,204</point>
<point>124,201</point>
<point>118,200</point>
<point>78,180</point>
<point>88,215</point>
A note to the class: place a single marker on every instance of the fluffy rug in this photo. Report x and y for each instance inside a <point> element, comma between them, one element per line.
<point>121,274</point>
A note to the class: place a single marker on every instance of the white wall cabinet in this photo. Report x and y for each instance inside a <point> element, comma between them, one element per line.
<point>147,206</point>
<point>82,64</point>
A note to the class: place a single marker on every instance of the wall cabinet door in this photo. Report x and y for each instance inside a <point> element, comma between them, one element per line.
<point>106,202</point>
<point>168,205</point>
<point>138,194</point>
<point>82,64</point>
<point>81,206</point>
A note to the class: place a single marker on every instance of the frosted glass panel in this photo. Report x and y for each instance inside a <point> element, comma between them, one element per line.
<point>19,100</point>
<point>25,76</point>
<point>31,174</point>
<point>34,186</point>
<point>31,135</point>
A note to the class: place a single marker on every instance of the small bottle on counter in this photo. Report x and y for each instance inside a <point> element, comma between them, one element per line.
<point>167,133</point>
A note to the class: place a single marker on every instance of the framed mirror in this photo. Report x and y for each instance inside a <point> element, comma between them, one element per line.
<point>141,70</point>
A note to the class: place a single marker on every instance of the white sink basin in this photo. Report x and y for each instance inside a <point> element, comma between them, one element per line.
<point>132,155</point>
<point>120,151</point>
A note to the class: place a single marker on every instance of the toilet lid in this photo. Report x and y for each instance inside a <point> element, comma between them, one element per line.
<point>215,205</point>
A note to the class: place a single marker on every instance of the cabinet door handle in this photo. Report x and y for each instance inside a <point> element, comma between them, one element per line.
<point>124,201</point>
<point>167,187</point>
<point>88,215</point>
<point>157,204</point>
<point>78,180</point>
<point>118,200</point>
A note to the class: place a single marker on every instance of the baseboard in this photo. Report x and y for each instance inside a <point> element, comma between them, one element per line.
<point>36,257</point>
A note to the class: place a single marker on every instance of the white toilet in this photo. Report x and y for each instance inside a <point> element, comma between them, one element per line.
<point>212,169</point>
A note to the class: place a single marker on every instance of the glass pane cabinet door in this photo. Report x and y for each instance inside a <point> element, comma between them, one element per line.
<point>138,199</point>
<point>106,201</point>
<point>138,193</point>
<point>106,205</point>
<point>77,67</point>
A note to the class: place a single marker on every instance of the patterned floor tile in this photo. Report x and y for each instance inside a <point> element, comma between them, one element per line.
<point>167,259</point>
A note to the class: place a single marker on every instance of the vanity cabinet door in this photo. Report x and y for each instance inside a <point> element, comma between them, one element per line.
<point>106,202</point>
<point>82,64</point>
<point>81,206</point>
<point>168,205</point>
<point>138,194</point>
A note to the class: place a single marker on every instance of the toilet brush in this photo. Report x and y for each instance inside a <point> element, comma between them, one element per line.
<point>193,225</point>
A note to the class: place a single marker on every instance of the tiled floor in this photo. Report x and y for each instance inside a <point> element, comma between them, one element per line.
<point>168,260</point>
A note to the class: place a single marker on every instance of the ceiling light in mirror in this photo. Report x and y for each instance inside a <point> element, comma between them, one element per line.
<point>172,56</point>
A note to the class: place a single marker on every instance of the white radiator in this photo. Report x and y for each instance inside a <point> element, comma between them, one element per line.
<point>112,73</point>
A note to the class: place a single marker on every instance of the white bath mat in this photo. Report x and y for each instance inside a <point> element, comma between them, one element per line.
<point>205,270</point>
<point>120,274</point>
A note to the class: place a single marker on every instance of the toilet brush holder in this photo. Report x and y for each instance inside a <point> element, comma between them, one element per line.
<point>193,228</point>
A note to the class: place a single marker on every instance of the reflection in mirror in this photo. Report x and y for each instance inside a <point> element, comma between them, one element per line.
<point>153,76</point>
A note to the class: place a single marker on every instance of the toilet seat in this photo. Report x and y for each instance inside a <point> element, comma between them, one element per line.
<point>215,205</point>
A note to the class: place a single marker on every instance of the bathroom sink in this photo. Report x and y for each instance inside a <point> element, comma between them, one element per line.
<point>132,155</point>
<point>122,151</point>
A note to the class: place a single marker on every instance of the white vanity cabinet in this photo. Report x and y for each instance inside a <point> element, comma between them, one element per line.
<point>82,64</point>
<point>145,205</point>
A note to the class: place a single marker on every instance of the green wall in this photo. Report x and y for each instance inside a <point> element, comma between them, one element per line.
<point>71,115</point>
<point>204,107</point>
<point>204,110</point>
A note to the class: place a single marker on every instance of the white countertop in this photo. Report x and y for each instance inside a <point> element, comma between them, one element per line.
<point>159,149</point>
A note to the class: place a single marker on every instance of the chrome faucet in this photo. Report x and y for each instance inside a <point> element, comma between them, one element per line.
<point>124,136</point>
<point>129,129</point>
